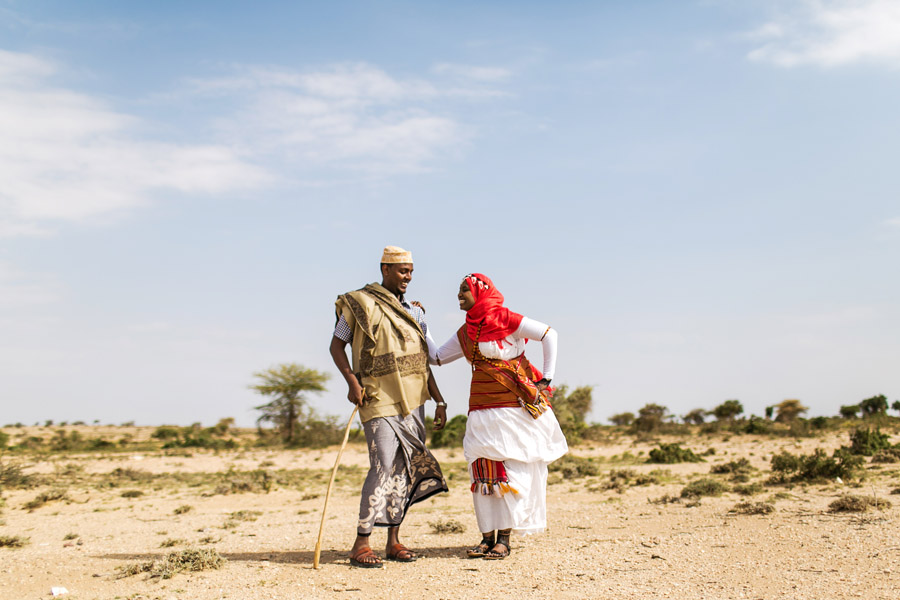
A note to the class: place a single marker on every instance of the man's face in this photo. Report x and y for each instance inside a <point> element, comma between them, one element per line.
<point>396,277</point>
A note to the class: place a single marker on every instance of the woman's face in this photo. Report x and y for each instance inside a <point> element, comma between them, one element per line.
<point>466,299</point>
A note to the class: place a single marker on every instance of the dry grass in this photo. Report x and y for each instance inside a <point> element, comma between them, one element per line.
<point>12,541</point>
<point>191,559</point>
<point>852,503</point>
<point>446,526</point>
<point>45,497</point>
<point>752,508</point>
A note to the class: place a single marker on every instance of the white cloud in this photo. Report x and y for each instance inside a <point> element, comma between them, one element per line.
<point>831,33</point>
<point>895,222</point>
<point>65,155</point>
<point>474,73</point>
<point>353,116</point>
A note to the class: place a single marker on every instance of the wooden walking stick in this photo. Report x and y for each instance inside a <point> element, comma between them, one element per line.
<point>337,461</point>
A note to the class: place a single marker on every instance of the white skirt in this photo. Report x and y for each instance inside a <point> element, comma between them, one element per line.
<point>526,446</point>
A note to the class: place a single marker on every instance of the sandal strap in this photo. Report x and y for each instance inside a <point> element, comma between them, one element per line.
<point>364,553</point>
<point>397,548</point>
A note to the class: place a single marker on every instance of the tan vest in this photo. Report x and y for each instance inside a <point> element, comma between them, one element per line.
<point>390,355</point>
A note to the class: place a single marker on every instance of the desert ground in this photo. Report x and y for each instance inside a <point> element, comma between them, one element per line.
<point>624,532</point>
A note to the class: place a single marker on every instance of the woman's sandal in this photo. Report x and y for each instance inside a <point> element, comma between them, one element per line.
<point>482,548</point>
<point>400,553</point>
<point>363,559</point>
<point>502,540</point>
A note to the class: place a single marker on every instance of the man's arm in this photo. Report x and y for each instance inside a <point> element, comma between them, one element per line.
<point>355,393</point>
<point>440,412</point>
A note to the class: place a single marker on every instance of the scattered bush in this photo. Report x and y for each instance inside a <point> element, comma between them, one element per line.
<point>815,467</point>
<point>756,426</point>
<point>183,509</point>
<point>620,479</point>
<point>735,467</point>
<point>851,503</point>
<point>570,409</point>
<point>245,515</point>
<point>703,487</point>
<point>239,482</point>
<point>750,489</point>
<point>622,419</point>
<point>574,467</point>
<point>888,455</point>
<point>650,418</point>
<point>752,508</point>
<point>12,478</point>
<point>447,526</point>
<point>132,494</point>
<point>171,542</point>
<point>451,436</point>
<point>669,454</point>
<point>867,442</point>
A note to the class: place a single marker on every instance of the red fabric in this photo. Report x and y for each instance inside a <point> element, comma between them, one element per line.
<point>496,321</point>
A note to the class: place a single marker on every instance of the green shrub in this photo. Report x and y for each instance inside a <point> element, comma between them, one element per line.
<point>703,487</point>
<point>756,426</point>
<point>740,466</point>
<point>817,466</point>
<point>669,454</point>
<point>867,442</point>
<point>575,467</point>
<point>888,455</point>
<point>451,436</point>
<point>749,489</point>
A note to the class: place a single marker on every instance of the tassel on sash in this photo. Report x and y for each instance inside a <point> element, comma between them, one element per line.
<point>489,478</point>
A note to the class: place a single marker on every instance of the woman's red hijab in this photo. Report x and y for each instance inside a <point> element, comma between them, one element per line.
<point>496,321</point>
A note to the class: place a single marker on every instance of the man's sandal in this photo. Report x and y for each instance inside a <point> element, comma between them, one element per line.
<point>400,553</point>
<point>363,559</point>
<point>482,548</point>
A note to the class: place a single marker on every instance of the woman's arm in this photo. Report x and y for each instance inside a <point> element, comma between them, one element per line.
<point>450,351</point>
<point>535,330</point>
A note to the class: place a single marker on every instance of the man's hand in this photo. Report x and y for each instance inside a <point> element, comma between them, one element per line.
<point>440,417</point>
<point>356,395</point>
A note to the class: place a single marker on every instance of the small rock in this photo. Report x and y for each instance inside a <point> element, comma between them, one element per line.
<point>58,591</point>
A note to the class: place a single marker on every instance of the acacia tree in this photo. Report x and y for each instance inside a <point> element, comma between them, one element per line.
<point>788,410</point>
<point>650,417</point>
<point>728,410</point>
<point>876,405</point>
<point>288,385</point>
<point>696,416</point>
<point>896,405</point>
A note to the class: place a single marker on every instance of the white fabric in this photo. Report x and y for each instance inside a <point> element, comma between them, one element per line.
<point>512,346</point>
<point>526,446</point>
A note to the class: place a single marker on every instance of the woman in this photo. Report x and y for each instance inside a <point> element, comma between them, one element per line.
<point>511,432</point>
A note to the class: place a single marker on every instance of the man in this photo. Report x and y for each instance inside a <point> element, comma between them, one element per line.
<point>390,381</point>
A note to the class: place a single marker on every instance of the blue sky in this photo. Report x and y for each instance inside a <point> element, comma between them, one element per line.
<point>700,196</point>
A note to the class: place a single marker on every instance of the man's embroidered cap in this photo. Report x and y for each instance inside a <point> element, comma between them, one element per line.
<point>393,255</point>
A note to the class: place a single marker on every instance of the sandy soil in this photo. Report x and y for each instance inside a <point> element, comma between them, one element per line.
<point>600,543</point>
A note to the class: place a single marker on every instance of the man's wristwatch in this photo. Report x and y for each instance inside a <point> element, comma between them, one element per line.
<point>441,403</point>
